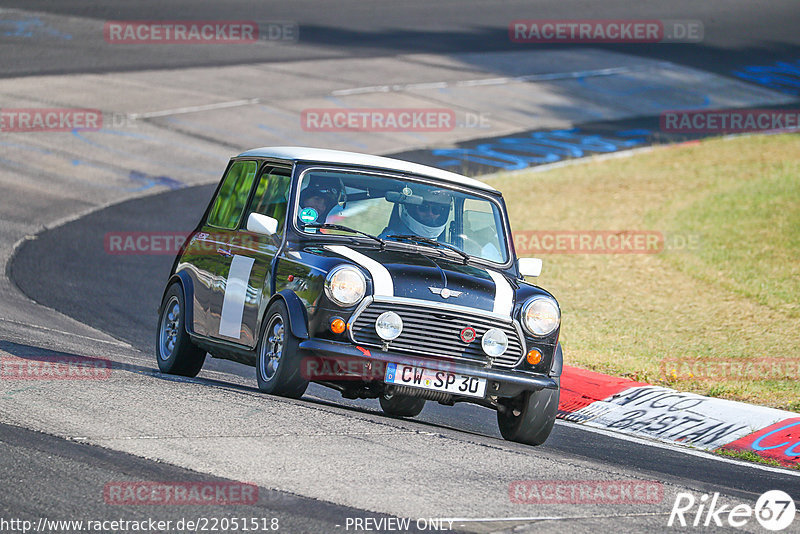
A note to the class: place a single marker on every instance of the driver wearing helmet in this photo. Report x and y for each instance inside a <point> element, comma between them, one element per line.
<point>426,219</point>
<point>320,195</point>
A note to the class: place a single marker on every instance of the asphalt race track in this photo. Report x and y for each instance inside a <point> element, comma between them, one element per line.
<point>137,281</point>
<point>736,31</point>
<point>320,461</point>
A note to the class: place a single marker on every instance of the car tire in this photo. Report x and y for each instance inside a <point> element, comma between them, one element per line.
<point>175,352</point>
<point>278,355</point>
<point>536,416</point>
<point>401,405</point>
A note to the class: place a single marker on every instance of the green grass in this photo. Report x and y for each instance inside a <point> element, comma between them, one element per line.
<point>751,233</point>
<point>750,456</point>
<point>734,296</point>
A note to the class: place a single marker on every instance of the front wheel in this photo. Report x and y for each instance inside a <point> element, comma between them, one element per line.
<point>279,359</point>
<point>401,405</point>
<point>529,418</point>
<point>175,352</point>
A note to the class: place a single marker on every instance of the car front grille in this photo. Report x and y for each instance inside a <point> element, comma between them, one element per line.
<point>433,331</point>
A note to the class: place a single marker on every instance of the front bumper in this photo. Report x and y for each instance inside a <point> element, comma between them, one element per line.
<point>503,383</point>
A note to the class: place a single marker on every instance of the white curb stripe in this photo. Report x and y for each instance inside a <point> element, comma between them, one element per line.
<point>676,447</point>
<point>668,415</point>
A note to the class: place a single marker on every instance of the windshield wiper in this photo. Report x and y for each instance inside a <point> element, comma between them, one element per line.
<point>429,241</point>
<point>343,228</point>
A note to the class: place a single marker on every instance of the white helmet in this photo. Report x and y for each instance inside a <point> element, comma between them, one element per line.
<point>429,218</point>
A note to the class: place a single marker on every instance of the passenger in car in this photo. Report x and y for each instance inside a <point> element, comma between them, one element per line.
<point>321,196</point>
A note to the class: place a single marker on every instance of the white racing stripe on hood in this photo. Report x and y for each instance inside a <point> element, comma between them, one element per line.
<point>381,279</point>
<point>503,294</point>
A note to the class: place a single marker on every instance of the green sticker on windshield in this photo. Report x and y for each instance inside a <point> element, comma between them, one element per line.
<point>308,215</point>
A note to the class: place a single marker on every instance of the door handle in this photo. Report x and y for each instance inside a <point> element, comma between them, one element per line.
<point>222,252</point>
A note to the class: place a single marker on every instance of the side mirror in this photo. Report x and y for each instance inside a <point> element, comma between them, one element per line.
<point>262,224</point>
<point>529,266</point>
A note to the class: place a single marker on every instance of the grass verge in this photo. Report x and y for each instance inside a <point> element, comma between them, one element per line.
<point>750,456</point>
<point>717,311</point>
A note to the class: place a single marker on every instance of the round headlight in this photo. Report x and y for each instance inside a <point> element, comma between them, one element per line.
<point>494,342</point>
<point>541,316</point>
<point>345,285</point>
<point>388,325</point>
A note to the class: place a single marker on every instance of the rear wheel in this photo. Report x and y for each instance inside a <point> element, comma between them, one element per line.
<point>279,357</point>
<point>529,418</point>
<point>401,405</point>
<point>175,352</point>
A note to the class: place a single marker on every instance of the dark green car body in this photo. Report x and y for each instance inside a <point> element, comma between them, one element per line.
<point>230,276</point>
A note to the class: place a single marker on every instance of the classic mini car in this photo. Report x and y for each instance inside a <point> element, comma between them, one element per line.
<point>374,276</point>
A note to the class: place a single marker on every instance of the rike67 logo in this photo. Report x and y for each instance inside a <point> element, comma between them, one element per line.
<point>774,510</point>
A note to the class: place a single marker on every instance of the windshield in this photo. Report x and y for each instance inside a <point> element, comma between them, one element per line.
<point>393,208</point>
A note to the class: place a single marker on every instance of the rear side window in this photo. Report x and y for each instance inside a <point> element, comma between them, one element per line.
<point>232,196</point>
<point>272,196</point>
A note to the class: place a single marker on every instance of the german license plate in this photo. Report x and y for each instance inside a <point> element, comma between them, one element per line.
<point>419,377</point>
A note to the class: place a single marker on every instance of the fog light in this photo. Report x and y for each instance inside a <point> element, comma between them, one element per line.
<point>534,357</point>
<point>337,325</point>
<point>388,325</point>
<point>494,342</point>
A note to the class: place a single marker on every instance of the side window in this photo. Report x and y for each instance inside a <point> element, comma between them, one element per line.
<point>232,197</point>
<point>481,221</point>
<point>272,196</point>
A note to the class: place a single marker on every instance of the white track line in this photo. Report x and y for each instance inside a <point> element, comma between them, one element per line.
<point>195,109</point>
<point>545,517</point>
<point>612,71</point>
<point>63,332</point>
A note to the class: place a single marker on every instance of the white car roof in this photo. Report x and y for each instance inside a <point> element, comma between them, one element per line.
<point>323,155</point>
